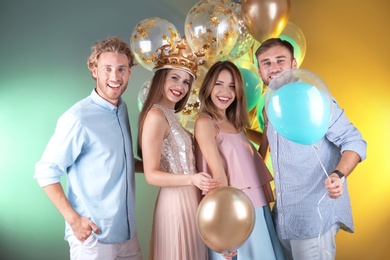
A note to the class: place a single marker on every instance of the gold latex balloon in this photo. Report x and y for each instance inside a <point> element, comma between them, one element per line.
<point>265,18</point>
<point>225,219</point>
<point>252,53</point>
<point>254,123</point>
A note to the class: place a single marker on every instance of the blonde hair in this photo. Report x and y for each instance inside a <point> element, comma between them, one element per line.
<point>111,44</point>
<point>236,113</point>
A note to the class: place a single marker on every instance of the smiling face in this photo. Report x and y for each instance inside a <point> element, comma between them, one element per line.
<point>223,93</point>
<point>273,61</point>
<point>112,74</point>
<point>176,86</point>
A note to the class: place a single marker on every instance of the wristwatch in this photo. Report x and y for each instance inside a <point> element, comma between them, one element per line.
<point>340,174</point>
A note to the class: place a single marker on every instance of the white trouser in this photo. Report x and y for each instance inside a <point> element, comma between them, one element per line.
<point>318,248</point>
<point>92,249</point>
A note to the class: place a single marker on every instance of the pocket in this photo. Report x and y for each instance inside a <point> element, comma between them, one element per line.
<point>90,241</point>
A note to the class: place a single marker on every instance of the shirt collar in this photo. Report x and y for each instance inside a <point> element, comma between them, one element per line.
<point>104,103</point>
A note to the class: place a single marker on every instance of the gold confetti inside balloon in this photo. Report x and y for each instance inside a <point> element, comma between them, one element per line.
<point>245,40</point>
<point>213,27</point>
<point>150,34</point>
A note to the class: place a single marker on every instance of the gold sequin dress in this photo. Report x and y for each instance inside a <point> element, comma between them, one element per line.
<point>174,232</point>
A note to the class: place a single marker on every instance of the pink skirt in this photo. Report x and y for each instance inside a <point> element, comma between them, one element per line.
<point>174,232</point>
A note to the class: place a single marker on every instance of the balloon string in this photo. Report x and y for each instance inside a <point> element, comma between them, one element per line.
<point>319,202</point>
<point>322,166</point>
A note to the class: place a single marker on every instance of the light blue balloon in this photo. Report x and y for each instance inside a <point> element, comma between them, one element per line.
<point>299,112</point>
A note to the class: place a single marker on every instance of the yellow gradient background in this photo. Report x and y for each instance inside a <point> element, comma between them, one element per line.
<point>348,46</point>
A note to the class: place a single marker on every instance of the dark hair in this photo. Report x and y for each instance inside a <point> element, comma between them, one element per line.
<point>272,42</point>
<point>236,113</point>
<point>155,93</point>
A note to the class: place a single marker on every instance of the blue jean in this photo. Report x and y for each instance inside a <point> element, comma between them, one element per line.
<point>263,242</point>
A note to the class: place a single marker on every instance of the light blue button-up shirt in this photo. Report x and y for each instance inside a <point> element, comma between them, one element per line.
<point>303,209</point>
<point>92,146</point>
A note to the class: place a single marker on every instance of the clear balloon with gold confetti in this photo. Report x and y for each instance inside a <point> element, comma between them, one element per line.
<point>148,35</point>
<point>245,39</point>
<point>143,93</point>
<point>213,27</point>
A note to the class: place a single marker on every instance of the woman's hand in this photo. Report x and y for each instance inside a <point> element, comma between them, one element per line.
<point>204,181</point>
<point>230,255</point>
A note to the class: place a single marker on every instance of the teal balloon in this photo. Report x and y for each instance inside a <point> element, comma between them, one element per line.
<point>253,87</point>
<point>300,112</point>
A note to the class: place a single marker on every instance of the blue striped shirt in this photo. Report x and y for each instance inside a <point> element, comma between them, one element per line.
<point>92,146</point>
<point>301,210</point>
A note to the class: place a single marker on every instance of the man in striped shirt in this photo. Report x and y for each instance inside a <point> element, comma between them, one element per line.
<point>310,207</point>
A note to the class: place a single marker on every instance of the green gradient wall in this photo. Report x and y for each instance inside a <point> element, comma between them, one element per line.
<point>44,46</point>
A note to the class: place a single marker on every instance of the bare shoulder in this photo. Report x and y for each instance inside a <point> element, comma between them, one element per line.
<point>155,121</point>
<point>204,125</point>
<point>155,114</point>
<point>204,120</point>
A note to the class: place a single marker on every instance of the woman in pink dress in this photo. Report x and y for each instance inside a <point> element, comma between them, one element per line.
<point>167,152</point>
<point>224,151</point>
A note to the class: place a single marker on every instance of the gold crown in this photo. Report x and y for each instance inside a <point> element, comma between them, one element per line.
<point>180,57</point>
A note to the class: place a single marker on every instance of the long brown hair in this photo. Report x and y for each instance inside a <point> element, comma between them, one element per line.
<point>236,113</point>
<point>155,94</point>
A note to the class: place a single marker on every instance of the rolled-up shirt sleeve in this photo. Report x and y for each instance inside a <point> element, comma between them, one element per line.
<point>61,152</point>
<point>344,134</point>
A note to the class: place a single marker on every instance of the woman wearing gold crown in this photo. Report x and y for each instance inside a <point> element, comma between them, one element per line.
<point>167,150</point>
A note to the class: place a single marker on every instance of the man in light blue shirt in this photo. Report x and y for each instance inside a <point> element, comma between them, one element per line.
<point>310,207</point>
<point>92,146</point>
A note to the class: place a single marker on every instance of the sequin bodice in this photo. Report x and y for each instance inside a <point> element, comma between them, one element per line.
<point>178,155</point>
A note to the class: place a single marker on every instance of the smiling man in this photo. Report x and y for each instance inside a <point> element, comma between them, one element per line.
<point>307,221</point>
<point>92,147</point>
